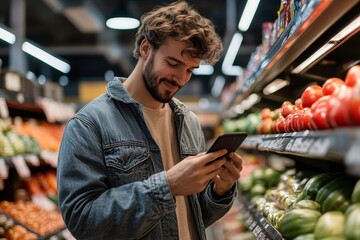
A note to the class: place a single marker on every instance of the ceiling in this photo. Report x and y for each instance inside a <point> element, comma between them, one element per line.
<point>92,49</point>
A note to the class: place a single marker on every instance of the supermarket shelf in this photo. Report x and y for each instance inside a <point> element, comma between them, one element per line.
<point>340,145</point>
<point>259,225</point>
<point>57,234</point>
<point>315,18</point>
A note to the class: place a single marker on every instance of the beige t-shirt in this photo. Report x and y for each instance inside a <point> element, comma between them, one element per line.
<point>161,125</point>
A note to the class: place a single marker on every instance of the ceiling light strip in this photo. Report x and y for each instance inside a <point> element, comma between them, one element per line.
<point>123,23</point>
<point>341,35</point>
<point>204,69</point>
<point>248,14</point>
<point>227,66</point>
<point>7,36</point>
<point>45,57</point>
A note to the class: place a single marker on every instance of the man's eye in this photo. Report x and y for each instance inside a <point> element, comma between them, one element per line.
<point>172,64</point>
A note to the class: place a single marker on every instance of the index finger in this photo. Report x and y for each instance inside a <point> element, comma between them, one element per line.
<point>236,159</point>
<point>215,155</point>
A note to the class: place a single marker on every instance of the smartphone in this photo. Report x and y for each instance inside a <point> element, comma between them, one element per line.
<point>230,141</point>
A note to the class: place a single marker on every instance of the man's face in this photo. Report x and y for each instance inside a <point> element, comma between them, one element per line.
<point>166,70</point>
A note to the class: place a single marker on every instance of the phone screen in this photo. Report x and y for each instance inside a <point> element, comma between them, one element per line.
<point>229,141</point>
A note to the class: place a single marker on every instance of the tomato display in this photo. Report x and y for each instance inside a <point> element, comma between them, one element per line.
<point>352,78</point>
<point>334,104</point>
<point>331,85</point>
<point>319,112</point>
<point>354,110</point>
<point>338,112</point>
<point>287,108</point>
<point>310,95</point>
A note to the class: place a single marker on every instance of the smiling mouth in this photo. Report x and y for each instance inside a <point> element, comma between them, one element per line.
<point>171,84</point>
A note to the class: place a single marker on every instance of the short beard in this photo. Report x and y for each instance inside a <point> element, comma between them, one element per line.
<point>151,85</point>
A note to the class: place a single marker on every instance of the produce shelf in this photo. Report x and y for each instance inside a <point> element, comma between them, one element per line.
<point>256,222</point>
<point>339,145</point>
<point>298,36</point>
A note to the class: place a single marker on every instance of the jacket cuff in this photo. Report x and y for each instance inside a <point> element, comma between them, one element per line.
<point>161,192</point>
<point>227,198</point>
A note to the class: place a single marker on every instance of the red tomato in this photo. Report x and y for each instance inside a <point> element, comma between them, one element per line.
<point>306,118</point>
<point>298,103</point>
<point>353,76</point>
<point>287,108</point>
<point>267,126</point>
<point>280,124</point>
<point>266,113</point>
<point>288,123</point>
<point>331,85</point>
<point>295,123</point>
<point>319,111</point>
<point>338,111</point>
<point>354,111</point>
<point>310,95</point>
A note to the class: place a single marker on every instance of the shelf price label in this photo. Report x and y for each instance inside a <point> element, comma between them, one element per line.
<point>33,159</point>
<point>320,147</point>
<point>352,161</point>
<point>49,157</point>
<point>21,167</point>
<point>4,171</point>
<point>4,111</point>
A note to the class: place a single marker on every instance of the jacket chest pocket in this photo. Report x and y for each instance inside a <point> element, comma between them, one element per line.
<point>127,164</point>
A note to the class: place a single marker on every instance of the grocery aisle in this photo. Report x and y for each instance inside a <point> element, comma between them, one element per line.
<point>297,97</point>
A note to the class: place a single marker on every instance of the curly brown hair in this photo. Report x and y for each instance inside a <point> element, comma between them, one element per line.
<point>183,23</point>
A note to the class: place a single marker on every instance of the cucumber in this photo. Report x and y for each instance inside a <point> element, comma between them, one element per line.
<point>339,183</point>
<point>312,186</point>
<point>338,200</point>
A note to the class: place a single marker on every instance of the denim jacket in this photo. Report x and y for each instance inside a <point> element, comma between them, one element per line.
<point>111,181</point>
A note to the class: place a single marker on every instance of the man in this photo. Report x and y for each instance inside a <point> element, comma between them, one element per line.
<point>132,163</point>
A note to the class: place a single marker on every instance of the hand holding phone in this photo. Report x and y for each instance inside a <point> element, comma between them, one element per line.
<point>228,141</point>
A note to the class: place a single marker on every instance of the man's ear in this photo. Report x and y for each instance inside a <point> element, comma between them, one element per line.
<point>145,48</point>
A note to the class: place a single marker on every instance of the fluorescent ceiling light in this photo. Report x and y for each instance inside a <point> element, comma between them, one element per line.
<point>275,85</point>
<point>46,57</point>
<point>346,31</point>
<point>218,86</point>
<point>227,67</point>
<point>7,36</point>
<point>248,14</point>
<point>204,69</point>
<point>122,23</point>
<point>355,24</point>
<point>319,53</point>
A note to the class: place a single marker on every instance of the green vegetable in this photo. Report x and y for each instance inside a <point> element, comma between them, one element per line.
<point>355,196</point>
<point>307,204</point>
<point>298,222</point>
<point>336,194</point>
<point>352,222</point>
<point>257,189</point>
<point>330,224</point>
<point>312,186</point>
<point>309,236</point>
